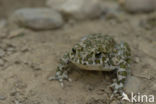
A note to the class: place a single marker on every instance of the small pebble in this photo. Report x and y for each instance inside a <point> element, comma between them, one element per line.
<point>2,52</point>
<point>2,97</point>
<point>10,50</point>
<point>137,59</point>
<point>17,102</point>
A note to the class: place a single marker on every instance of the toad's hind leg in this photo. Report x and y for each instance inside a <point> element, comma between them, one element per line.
<point>62,70</point>
<point>123,55</point>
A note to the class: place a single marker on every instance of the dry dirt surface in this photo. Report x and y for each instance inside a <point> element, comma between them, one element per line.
<point>30,57</point>
<point>8,6</point>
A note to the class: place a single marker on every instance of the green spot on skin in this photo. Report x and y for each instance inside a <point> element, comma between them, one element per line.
<point>62,62</point>
<point>80,60</point>
<point>122,81</point>
<point>103,59</point>
<point>90,62</point>
<point>66,55</point>
<point>57,69</point>
<point>123,65</point>
<point>123,73</point>
<point>97,61</point>
<point>128,60</point>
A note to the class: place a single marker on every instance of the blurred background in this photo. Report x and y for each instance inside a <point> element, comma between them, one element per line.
<point>34,35</point>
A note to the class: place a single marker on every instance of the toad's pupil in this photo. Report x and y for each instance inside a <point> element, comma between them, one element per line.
<point>73,50</point>
<point>98,55</point>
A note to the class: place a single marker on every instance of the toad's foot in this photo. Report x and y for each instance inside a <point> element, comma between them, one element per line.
<point>62,70</point>
<point>117,88</point>
<point>60,77</point>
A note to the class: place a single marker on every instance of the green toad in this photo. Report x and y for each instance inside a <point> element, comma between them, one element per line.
<point>97,52</point>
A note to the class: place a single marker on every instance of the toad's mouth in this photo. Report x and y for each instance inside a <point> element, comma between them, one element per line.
<point>96,67</point>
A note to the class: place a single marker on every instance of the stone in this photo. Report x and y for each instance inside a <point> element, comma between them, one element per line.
<point>110,6</point>
<point>37,18</point>
<point>2,97</point>
<point>78,9</point>
<point>137,59</point>
<point>139,5</point>
<point>111,10</point>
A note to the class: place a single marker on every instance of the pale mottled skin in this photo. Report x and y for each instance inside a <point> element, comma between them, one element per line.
<point>97,52</point>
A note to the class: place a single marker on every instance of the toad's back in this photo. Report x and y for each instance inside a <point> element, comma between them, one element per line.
<point>95,43</point>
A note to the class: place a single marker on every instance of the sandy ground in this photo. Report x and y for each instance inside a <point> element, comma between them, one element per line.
<point>24,76</point>
<point>8,6</point>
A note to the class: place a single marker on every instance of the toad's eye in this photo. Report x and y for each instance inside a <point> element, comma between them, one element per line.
<point>73,50</point>
<point>98,55</point>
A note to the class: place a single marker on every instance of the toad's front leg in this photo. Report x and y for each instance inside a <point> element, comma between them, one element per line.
<point>119,83</point>
<point>62,70</point>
